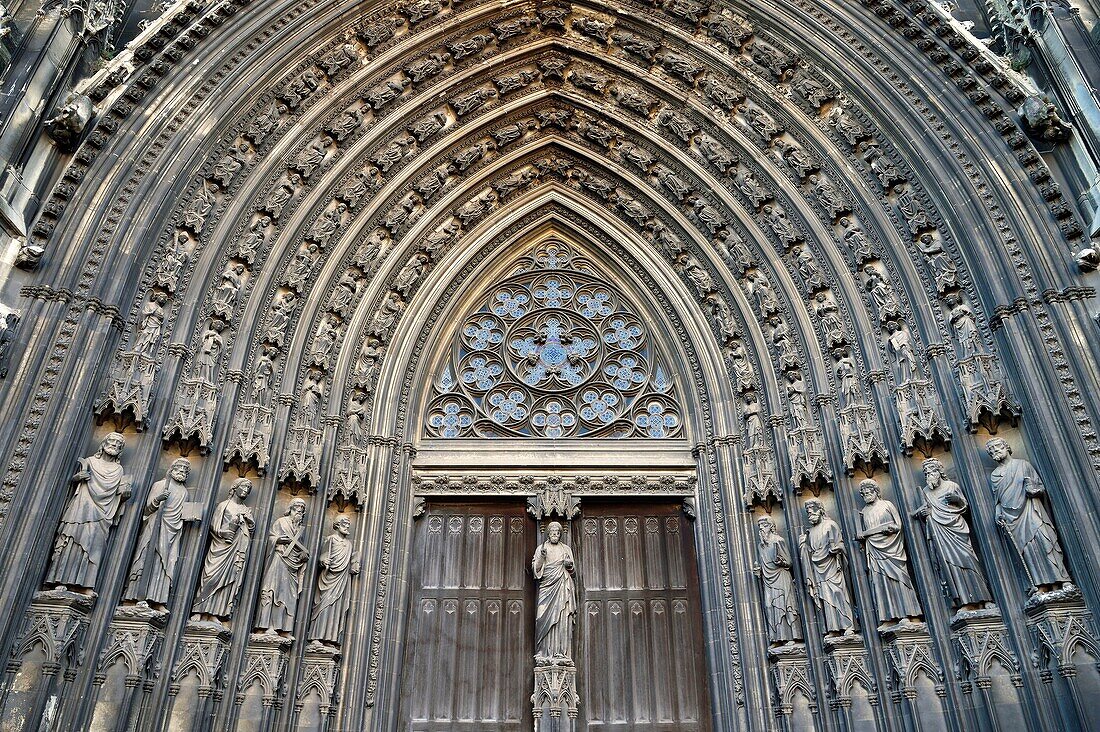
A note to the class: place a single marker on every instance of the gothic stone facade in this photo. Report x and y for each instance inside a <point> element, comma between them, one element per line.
<point>550,364</point>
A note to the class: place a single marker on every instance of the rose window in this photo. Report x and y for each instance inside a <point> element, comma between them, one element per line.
<point>553,350</point>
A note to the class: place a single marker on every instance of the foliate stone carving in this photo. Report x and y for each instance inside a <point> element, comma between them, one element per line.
<point>339,564</point>
<point>231,527</point>
<point>282,580</point>
<point>100,485</point>
<point>153,569</point>
<point>822,547</point>
<point>554,350</point>
<point>1023,516</point>
<point>895,596</point>
<point>774,570</point>
<point>943,511</point>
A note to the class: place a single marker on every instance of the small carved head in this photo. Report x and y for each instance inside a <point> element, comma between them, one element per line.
<point>112,444</point>
<point>342,525</point>
<point>998,449</point>
<point>180,469</point>
<point>933,471</point>
<point>815,511</point>
<point>240,488</point>
<point>553,532</point>
<point>869,490</point>
<point>296,509</point>
<point>766,527</point>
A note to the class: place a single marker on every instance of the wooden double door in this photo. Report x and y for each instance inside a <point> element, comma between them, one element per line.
<point>638,638</point>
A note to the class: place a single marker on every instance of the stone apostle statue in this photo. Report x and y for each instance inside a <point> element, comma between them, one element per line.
<point>282,581</point>
<point>1022,515</point>
<point>557,601</point>
<point>887,562</point>
<point>822,548</point>
<point>339,563</point>
<point>158,547</point>
<point>780,610</point>
<point>101,486</point>
<point>231,529</point>
<point>944,516</point>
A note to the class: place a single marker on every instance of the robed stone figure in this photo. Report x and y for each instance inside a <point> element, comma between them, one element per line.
<point>557,600</point>
<point>822,549</point>
<point>774,569</point>
<point>100,487</point>
<point>944,514</point>
<point>887,561</point>
<point>339,563</point>
<point>1022,515</point>
<point>231,528</point>
<point>158,549</point>
<point>286,563</point>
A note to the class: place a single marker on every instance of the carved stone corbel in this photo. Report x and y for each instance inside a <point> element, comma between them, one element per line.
<point>909,650</point>
<point>204,648</point>
<point>981,639</point>
<point>1060,624</point>
<point>555,689</point>
<point>847,663</point>
<point>265,660</point>
<point>320,671</point>
<point>791,671</point>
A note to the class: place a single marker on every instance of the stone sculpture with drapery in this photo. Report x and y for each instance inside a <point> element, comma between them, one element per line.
<point>154,565</point>
<point>780,610</point>
<point>822,548</point>
<point>231,528</point>
<point>557,597</point>
<point>887,561</point>
<point>1023,516</point>
<point>282,581</point>
<point>944,514</point>
<point>101,485</point>
<point>339,563</point>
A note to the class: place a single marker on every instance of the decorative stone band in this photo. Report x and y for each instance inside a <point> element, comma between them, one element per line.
<point>678,485</point>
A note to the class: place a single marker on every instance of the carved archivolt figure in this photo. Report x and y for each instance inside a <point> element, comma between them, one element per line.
<point>780,610</point>
<point>101,485</point>
<point>822,549</point>
<point>557,602</point>
<point>1022,515</point>
<point>231,529</point>
<point>339,563</point>
<point>944,516</point>
<point>158,547</point>
<point>282,582</point>
<point>152,322</point>
<point>887,562</point>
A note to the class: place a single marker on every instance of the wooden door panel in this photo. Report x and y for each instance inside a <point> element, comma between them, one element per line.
<point>640,646</point>
<point>468,662</point>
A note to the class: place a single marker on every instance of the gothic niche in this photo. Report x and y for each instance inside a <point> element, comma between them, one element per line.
<point>553,350</point>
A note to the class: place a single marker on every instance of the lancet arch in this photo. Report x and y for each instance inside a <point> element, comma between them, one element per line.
<point>844,274</point>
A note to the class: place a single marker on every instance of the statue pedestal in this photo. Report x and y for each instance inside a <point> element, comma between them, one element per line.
<point>48,646</point>
<point>791,669</point>
<point>1060,624</point>
<point>132,638</point>
<point>846,660</point>
<point>196,678</point>
<point>986,662</point>
<point>555,697</point>
<point>259,686</point>
<point>317,700</point>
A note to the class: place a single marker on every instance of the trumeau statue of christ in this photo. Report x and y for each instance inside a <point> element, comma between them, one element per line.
<point>557,603</point>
